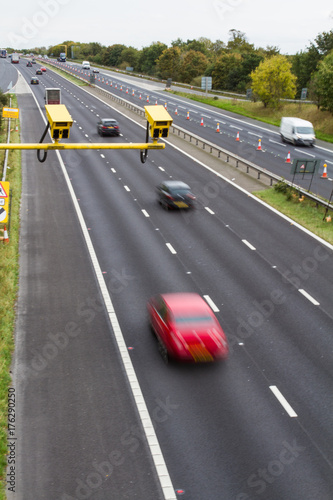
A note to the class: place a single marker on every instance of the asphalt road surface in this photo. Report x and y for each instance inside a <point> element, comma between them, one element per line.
<point>258,426</point>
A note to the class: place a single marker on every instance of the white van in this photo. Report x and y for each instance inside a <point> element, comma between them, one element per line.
<point>85,65</point>
<point>297,131</point>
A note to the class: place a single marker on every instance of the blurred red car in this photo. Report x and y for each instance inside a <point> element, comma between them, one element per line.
<point>186,328</point>
<point>43,69</point>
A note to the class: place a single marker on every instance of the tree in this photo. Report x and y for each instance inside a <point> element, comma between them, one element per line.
<point>224,65</point>
<point>324,82</point>
<point>112,55</point>
<point>273,80</point>
<point>148,57</point>
<point>169,62</point>
<point>194,64</point>
<point>129,57</point>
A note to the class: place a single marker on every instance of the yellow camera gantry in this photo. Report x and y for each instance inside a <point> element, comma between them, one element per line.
<point>60,122</point>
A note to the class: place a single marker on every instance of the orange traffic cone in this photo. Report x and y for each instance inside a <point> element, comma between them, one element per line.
<point>218,127</point>
<point>5,235</point>
<point>165,105</point>
<point>259,145</point>
<point>156,102</point>
<point>133,92</point>
<point>324,176</point>
<point>288,157</point>
<point>188,115</point>
<point>126,91</point>
<point>201,123</point>
<point>111,84</point>
<point>147,98</point>
<point>176,112</point>
<point>237,136</point>
<point>121,87</point>
<point>140,96</point>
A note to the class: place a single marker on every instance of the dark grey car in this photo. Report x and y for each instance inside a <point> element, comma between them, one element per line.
<point>108,126</point>
<point>175,194</point>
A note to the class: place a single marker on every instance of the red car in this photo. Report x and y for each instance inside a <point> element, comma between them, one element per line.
<point>43,69</point>
<point>186,328</point>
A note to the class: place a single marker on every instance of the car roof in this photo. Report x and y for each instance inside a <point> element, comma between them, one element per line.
<point>108,120</point>
<point>176,184</point>
<point>185,302</point>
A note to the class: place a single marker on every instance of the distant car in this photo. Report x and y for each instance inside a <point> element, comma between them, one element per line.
<point>175,194</point>
<point>108,126</point>
<point>29,64</point>
<point>186,328</point>
<point>43,69</point>
<point>95,70</point>
<point>39,72</point>
<point>33,61</point>
<point>34,80</point>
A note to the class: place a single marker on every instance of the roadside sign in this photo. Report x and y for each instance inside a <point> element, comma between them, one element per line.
<point>10,113</point>
<point>206,82</point>
<point>304,93</point>
<point>4,201</point>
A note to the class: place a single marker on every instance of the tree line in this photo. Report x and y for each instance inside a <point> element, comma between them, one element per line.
<point>235,66</point>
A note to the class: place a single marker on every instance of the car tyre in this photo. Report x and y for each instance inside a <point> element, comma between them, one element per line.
<point>163,352</point>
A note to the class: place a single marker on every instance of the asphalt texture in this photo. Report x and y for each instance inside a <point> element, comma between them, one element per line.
<point>89,436</point>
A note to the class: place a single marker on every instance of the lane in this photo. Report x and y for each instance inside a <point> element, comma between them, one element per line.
<point>78,431</point>
<point>133,247</point>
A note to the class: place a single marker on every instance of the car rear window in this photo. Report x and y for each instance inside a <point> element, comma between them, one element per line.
<point>110,122</point>
<point>193,319</point>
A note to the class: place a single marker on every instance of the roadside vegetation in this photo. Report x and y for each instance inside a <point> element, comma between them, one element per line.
<point>322,120</point>
<point>304,211</point>
<point>9,270</point>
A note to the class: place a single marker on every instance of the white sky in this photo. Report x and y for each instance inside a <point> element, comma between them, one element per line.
<point>288,24</point>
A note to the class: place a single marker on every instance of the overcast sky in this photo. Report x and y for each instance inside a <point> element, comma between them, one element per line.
<point>288,24</point>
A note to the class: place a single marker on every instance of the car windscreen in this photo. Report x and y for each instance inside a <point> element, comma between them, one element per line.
<point>108,123</point>
<point>304,130</point>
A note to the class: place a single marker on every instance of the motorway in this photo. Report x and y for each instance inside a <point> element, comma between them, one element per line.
<point>202,120</point>
<point>258,426</point>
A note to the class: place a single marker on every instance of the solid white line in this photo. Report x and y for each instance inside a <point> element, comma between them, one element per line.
<point>309,297</point>
<point>170,247</point>
<point>283,401</point>
<point>211,303</point>
<point>209,210</point>
<point>145,213</point>
<point>249,245</point>
<point>275,142</point>
<point>305,153</point>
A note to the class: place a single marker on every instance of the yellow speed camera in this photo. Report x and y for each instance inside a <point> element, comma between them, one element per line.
<point>159,121</point>
<point>59,119</point>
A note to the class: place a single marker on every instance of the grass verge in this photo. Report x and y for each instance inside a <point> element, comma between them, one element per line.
<point>321,120</point>
<point>303,211</point>
<point>9,271</point>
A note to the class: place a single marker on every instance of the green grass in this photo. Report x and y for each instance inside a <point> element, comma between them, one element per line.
<point>321,120</point>
<point>304,212</point>
<point>9,269</point>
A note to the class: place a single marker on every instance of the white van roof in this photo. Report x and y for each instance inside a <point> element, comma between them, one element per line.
<point>296,121</point>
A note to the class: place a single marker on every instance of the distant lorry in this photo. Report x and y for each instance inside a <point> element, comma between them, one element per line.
<point>3,52</point>
<point>297,131</point>
<point>85,65</point>
<point>52,96</point>
<point>62,57</point>
<point>15,58</point>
